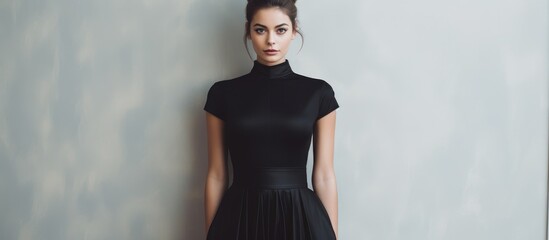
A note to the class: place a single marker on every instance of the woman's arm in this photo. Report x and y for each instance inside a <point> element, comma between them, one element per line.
<point>217,177</point>
<point>324,180</point>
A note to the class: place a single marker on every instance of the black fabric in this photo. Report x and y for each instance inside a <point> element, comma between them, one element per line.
<point>269,117</point>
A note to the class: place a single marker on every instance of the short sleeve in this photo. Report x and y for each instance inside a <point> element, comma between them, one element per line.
<point>328,102</point>
<point>214,101</point>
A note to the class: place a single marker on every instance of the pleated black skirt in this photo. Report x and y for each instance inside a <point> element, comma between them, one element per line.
<point>271,205</point>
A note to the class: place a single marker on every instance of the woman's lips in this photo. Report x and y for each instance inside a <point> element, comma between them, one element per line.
<point>271,52</point>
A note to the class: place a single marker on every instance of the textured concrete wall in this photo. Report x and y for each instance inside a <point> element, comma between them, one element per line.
<point>441,133</point>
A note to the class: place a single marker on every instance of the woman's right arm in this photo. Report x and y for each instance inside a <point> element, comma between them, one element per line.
<point>217,176</point>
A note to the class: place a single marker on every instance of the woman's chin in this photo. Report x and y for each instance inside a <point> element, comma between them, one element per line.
<point>272,59</point>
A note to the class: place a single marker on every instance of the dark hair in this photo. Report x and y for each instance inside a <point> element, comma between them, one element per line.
<point>287,6</point>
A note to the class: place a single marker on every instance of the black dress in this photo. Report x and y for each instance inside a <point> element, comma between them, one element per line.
<point>269,117</point>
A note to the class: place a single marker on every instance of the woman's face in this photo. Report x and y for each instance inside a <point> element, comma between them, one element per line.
<point>271,29</point>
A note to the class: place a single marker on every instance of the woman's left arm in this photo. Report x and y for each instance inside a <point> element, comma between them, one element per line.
<point>323,179</point>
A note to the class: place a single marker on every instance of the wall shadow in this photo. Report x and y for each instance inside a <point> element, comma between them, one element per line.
<point>229,19</point>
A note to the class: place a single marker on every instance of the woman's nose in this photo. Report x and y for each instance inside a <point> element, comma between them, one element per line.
<point>270,39</point>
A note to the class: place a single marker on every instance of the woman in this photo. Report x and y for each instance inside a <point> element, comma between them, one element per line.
<point>266,120</point>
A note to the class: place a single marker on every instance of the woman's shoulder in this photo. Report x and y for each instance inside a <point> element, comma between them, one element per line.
<point>318,82</point>
<point>227,82</point>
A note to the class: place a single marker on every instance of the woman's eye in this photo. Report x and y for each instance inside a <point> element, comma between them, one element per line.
<point>282,30</point>
<point>259,30</point>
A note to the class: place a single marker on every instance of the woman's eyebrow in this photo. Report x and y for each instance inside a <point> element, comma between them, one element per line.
<point>280,25</point>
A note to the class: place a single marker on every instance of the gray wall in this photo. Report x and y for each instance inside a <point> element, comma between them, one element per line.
<point>441,133</point>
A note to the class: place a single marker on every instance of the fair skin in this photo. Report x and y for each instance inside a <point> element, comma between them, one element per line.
<point>217,176</point>
<point>271,28</point>
<point>324,179</point>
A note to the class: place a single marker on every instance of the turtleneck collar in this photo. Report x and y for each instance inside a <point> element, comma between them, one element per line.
<point>275,71</point>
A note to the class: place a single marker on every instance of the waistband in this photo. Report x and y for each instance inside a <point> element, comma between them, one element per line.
<point>271,178</point>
